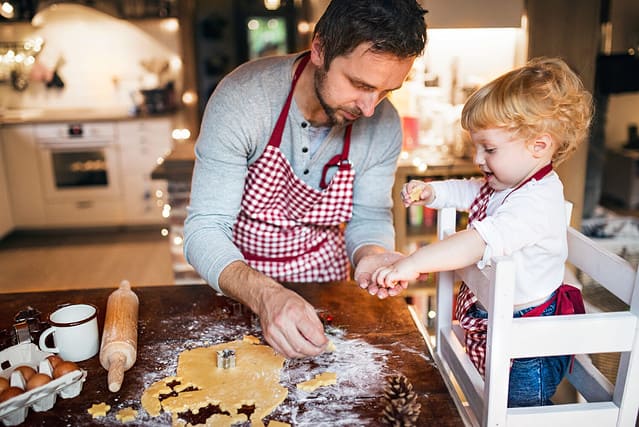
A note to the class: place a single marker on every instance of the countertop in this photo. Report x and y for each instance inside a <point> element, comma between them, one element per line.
<point>54,115</point>
<point>374,339</point>
<point>178,166</point>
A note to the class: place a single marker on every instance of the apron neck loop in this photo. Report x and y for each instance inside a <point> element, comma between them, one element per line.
<point>537,176</point>
<point>278,131</point>
<point>340,160</point>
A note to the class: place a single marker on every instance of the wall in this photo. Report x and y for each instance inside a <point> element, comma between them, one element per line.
<point>623,109</point>
<point>6,219</point>
<point>98,58</point>
<point>553,26</point>
<point>473,14</point>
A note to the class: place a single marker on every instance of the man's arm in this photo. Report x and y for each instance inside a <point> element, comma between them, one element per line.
<point>289,323</point>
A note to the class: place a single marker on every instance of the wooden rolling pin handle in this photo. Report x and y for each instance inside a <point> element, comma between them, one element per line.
<point>118,350</point>
<point>115,376</point>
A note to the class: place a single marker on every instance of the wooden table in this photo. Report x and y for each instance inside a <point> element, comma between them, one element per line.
<point>382,335</point>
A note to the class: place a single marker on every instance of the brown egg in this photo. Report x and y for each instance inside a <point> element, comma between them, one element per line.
<point>4,384</point>
<point>38,380</point>
<point>10,392</point>
<point>26,371</point>
<point>54,360</point>
<point>64,368</point>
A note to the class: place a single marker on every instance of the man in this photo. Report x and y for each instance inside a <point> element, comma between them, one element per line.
<point>292,149</point>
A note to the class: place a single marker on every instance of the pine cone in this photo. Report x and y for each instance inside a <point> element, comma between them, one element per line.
<point>401,408</point>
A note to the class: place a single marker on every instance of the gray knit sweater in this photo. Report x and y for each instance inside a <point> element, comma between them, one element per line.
<point>236,127</point>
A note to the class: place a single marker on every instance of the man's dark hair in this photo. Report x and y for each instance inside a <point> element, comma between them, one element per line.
<point>391,26</point>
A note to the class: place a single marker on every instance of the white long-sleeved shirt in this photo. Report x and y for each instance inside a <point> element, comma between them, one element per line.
<point>529,225</point>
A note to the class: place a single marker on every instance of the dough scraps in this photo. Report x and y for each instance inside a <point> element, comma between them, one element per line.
<point>325,378</point>
<point>274,423</point>
<point>126,415</point>
<point>98,410</point>
<point>251,339</point>
<point>254,381</point>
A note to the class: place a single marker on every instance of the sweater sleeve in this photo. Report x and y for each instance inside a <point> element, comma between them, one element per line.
<point>224,149</point>
<point>372,220</point>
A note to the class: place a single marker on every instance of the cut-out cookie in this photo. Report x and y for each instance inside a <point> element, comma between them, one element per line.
<point>98,410</point>
<point>325,378</point>
<point>127,414</point>
<point>416,194</point>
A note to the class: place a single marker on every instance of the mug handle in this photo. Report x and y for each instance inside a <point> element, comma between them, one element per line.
<point>43,338</point>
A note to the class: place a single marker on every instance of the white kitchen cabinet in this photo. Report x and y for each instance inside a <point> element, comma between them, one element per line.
<point>23,176</point>
<point>6,217</point>
<point>142,144</point>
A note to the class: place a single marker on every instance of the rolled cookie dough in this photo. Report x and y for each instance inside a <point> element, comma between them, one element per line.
<point>255,380</point>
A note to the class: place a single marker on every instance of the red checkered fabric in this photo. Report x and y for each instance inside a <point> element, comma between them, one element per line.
<point>477,210</point>
<point>287,229</point>
<point>475,329</point>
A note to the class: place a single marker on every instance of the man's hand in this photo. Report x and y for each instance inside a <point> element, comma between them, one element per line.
<point>290,324</point>
<point>368,264</point>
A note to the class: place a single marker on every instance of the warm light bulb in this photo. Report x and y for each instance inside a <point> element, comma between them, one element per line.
<point>170,25</point>
<point>272,4</point>
<point>6,10</point>
<point>181,134</point>
<point>253,24</point>
<point>189,97</point>
<point>304,27</point>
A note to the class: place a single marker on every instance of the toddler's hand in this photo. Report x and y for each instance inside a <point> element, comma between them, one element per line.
<point>415,192</point>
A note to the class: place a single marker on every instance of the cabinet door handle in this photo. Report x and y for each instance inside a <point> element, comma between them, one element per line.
<point>84,204</point>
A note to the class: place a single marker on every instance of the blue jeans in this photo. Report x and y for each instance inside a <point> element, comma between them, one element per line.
<point>533,380</point>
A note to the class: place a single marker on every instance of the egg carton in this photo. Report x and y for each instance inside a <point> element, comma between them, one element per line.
<point>14,411</point>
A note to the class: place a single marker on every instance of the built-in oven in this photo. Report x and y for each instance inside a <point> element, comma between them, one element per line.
<point>79,161</point>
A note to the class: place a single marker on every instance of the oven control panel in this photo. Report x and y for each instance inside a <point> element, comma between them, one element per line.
<point>57,132</point>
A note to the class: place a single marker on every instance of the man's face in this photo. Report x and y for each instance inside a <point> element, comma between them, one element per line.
<point>355,83</point>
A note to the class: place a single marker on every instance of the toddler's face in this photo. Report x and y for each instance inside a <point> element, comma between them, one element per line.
<point>505,160</point>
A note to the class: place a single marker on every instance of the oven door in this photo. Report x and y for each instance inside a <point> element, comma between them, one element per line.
<point>72,171</point>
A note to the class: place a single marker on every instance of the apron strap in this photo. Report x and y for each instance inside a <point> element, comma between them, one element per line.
<point>278,131</point>
<point>340,160</point>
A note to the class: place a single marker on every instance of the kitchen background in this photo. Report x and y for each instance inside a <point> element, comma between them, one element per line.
<point>106,89</point>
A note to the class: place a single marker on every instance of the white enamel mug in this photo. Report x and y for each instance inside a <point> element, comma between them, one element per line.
<point>75,332</point>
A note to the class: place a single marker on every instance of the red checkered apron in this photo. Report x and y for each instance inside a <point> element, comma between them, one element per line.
<point>287,229</point>
<point>475,328</point>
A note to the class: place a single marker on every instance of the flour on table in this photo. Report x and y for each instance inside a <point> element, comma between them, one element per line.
<point>254,381</point>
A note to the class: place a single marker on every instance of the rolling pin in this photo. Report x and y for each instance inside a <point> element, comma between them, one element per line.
<point>119,347</point>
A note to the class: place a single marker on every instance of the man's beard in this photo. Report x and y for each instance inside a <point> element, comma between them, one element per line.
<point>333,118</point>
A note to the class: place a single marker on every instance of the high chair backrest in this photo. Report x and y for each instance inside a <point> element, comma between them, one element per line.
<point>484,402</point>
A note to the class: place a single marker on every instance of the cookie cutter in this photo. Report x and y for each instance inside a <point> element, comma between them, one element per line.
<point>226,359</point>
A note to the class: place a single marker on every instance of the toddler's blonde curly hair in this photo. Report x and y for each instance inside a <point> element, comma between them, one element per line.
<point>543,96</point>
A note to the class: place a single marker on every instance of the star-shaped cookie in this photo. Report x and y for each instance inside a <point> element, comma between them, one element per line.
<point>98,410</point>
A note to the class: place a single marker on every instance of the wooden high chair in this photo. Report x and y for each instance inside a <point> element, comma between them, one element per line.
<point>484,402</point>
